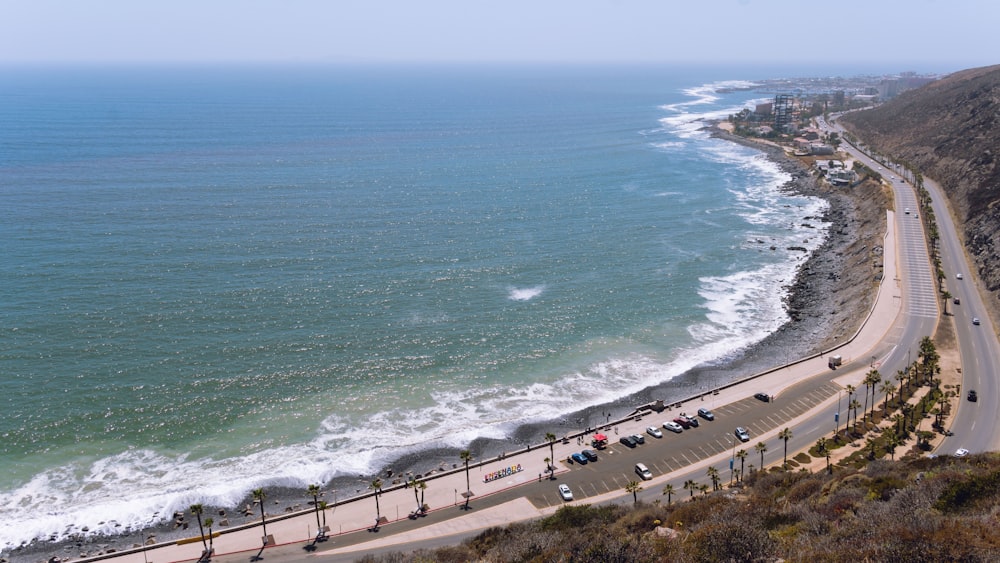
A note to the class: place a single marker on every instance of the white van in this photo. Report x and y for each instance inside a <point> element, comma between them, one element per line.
<point>643,471</point>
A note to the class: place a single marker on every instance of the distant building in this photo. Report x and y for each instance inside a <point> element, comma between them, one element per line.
<point>820,148</point>
<point>841,176</point>
<point>782,112</point>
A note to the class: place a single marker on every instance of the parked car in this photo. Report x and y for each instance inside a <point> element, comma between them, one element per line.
<point>642,471</point>
<point>973,396</point>
<point>591,455</point>
<point>706,414</point>
<point>638,438</point>
<point>975,321</point>
<point>565,493</point>
<point>654,432</point>
<point>692,421</point>
<point>683,422</point>
<point>579,458</point>
<point>762,397</point>
<point>742,434</point>
<point>673,426</point>
<point>628,441</point>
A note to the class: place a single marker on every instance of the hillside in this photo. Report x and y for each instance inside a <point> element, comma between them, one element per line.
<point>941,509</point>
<point>949,130</point>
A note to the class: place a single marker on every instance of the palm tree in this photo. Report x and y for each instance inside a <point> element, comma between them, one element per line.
<point>899,419</point>
<point>871,381</point>
<point>211,543</point>
<point>259,496</point>
<point>871,442</point>
<point>313,490</point>
<point>742,454</point>
<point>633,487</point>
<point>703,488</point>
<point>423,487</point>
<point>928,353</point>
<point>901,378</point>
<point>892,441</point>
<point>690,486</point>
<point>466,457</point>
<point>197,510</point>
<point>551,439</point>
<point>322,508</point>
<point>850,393</point>
<point>785,435</point>
<point>416,496</point>
<point>854,406</point>
<point>713,474</point>
<point>761,447</point>
<point>887,389</point>
<point>377,485</point>
<point>947,297</point>
<point>668,490</point>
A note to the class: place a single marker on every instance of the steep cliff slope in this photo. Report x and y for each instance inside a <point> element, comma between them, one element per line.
<point>950,130</point>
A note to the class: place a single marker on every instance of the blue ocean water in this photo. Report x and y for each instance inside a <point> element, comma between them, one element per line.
<point>243,277</point>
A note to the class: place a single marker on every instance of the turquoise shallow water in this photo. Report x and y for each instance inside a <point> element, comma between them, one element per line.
<point>243,277</point>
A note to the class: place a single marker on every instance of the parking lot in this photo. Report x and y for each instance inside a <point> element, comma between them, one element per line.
<point>615,466</point>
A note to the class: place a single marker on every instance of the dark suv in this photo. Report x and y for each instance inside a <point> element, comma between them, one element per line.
<point>762,397</point>
<point>973,397</point>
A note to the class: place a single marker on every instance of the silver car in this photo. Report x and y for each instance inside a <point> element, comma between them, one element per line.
<point>565,493</point>
<point>673,426</point>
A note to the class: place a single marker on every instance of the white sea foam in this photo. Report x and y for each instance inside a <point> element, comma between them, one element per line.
<point>524,293</point>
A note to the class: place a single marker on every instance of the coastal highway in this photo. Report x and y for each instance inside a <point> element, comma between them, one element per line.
<point>974,424</point>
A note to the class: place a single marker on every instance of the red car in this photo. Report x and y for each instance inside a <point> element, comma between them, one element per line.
<point>683,422</point>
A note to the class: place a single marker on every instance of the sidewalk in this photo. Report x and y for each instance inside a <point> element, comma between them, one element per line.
<point>487,477</point>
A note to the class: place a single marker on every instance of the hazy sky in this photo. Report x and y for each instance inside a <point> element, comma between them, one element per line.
<point>924,34</point>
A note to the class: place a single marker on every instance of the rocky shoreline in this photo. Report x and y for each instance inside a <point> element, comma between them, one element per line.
<point>832,293</point>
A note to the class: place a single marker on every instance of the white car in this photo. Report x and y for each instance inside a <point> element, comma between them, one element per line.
<point>673,426</point>
<point>565,493</point>
<point>643,472</point>
<point>961,452</point>
<point>958,276</point>
<point>654,432</point>
<point>975,321</point>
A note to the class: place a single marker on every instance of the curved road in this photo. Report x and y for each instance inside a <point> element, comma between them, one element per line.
<point>974,424</point>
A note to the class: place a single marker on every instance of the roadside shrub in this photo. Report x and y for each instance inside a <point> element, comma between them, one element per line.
<point>960,494</point>
<point>571,517</point>
<point>803,490</point>
<point>731,542</point>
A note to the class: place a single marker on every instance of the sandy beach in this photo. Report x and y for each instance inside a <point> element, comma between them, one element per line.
<point>830,296</point>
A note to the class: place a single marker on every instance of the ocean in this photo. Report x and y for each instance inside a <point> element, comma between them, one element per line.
<point>217,279</point>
